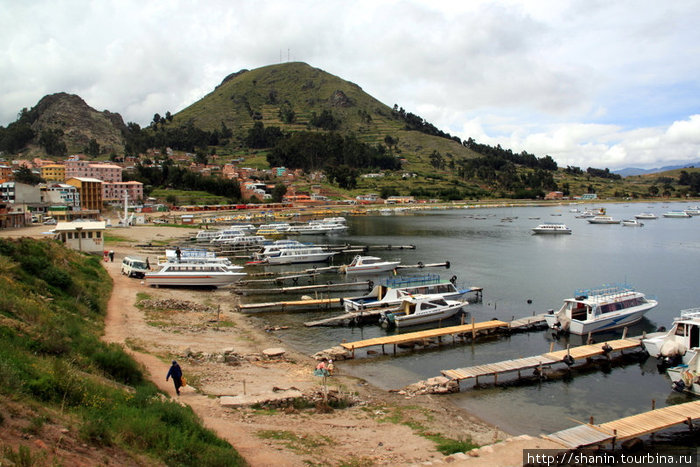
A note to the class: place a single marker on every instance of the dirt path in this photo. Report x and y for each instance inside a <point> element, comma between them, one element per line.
<point>380,429</point>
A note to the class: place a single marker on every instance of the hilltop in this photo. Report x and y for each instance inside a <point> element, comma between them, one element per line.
<point>289,95</point>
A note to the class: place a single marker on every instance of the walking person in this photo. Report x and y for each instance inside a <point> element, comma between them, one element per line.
<point>176,372</point>
<point>111,256</point>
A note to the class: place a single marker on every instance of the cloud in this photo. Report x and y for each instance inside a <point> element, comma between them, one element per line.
<point>571,79</point>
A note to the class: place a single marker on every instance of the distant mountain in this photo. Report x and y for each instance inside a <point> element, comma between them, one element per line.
<point>629,171</point>
<point>79,123</point>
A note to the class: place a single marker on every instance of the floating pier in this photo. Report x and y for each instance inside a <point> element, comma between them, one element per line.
<point>366,285</point>
<point>541,362</point>
<point>462,331</point>
<point>320,304</point>
<point>588,434</point>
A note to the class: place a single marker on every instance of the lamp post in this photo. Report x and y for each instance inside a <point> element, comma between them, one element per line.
<point>79,230</point>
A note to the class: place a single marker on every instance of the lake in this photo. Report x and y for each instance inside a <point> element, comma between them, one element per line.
<point>523,274</point>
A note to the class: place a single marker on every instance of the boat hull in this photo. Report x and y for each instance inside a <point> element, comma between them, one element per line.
<point>371,268</point>
<point>314,258</point>
<point>614,321</point>
<point>189,280</point>
<point>410,320</point>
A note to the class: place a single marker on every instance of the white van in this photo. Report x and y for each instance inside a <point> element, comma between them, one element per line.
<point>134,267</point>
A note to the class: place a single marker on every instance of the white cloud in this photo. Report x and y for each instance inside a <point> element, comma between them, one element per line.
<point>571,79</point>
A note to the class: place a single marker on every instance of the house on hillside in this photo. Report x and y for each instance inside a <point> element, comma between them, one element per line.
<point>85,236</point>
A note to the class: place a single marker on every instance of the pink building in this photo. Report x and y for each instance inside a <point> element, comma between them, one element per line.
<point>115,191</point>
<point>105,172</point>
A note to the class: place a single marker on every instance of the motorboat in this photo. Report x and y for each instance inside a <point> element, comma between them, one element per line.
<point>631,223</point>
<point>394,291</point>
<point>551,228</point>
<point>194,256</point>
<point>694,211</point>
<point>274,248</point>
<point>226,235</point>
<point>676,214</point>
<point>368,265</point>
<point>306,254</point>
<point>681,342</point>
<point>587,213</point>
<point>646,215</point>
<point>603,219</point>
<point>317,229</point>
<point>601,309</point>
<point>193,275</point>
<point>241,241</point>
<point>421,309</point>
<point>686,376</point>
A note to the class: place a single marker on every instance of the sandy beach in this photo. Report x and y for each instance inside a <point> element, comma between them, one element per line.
<point>222,354</point>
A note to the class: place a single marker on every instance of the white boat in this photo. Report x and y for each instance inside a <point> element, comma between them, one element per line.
<point>603,219</point>
<point>241,241</point>
<point>551,228</point>
<point>631,223</point>
<point>276,247</point>
<point>396,290</point>
<point>317,229</point>
<point>646,215</point>
<point>678,214</point>
<point>585,214</point>
<point>686,377</point>
<point>600,309</point>
<point>694,211</point>
<point>682,341</point>
<point>368,265</point>
<point>226,235</point>
<point>205,236</point>
<point>421,309</point>
<point>294,255</point>
<point>193,275</point>
<point>192,256</point>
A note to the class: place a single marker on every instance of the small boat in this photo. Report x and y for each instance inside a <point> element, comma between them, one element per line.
<point>602,309</point>
<point>305,254</point>
<point>686,377</point>
<point>679,343</point>
<point>551,228</point>
<point>692,211</point>
<point>421,309</point>
<point>394,291</point>
<point>195,256</point>
<point>193,275</point>
<point>275,247</point>
<point>603,219</point>
<point>631,223</point>
<point>240,241</point>
<point>646,215</point>
<point>676,214</point>
<point>368,265</point>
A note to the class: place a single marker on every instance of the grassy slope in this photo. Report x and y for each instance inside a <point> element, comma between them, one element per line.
<point>308,90</point>
<point>52,307</point>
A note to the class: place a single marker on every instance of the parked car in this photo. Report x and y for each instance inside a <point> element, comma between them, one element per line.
<point>50,221</point>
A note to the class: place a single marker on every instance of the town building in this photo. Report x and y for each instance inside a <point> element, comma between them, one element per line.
<point>554,195</point>
<point>62,194</point>
<point>11,218</point>
<point>84,236</point>
<point>53,172</point>
<point>115,191</point>
<point>76,168</point>
<point>90,190</point>
<point>20,193</point>
<point>6,173</point>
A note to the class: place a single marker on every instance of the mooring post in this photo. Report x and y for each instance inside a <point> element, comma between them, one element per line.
<point>653,404</point>
<point>473,329</point>
<point>624,333</point>
<point>590,420</point>
<point>551,347</point>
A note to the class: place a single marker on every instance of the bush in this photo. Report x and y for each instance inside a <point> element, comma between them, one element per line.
<point>115,362</point>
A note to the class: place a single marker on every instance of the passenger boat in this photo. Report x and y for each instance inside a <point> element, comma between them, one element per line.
<point>194,256</point>
<point>421,309</point>
<point>226,235</point>
<point>603,219</point>
<point>631,223</point>
<point>602,309</point>
<point>241,241</point>
<point>368,265</point>
<point>585,214</point>
<point>305,254</point>
<point>193,275</point>
<point>275,247</point>
<point>394,291</point>
<point>317,229</point>
<point>681,342</point>
<point>551,228</point>
<point>646,215</point>
<point>677,214</point>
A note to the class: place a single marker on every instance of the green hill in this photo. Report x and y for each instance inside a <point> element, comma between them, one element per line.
<point>269,93</point>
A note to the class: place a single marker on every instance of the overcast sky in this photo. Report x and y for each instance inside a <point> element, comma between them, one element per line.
<point>590,82</point>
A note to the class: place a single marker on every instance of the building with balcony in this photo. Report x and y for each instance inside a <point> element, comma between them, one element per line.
<point>115,191</point>
<point>90,190</point>
<point>53,172</point>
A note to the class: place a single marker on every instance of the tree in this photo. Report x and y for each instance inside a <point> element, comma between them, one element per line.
<point>25,175</point>
<point>278,192</point>
<point>93,148</point>
<point>50,140</point>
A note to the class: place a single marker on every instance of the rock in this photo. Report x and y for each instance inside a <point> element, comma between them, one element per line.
<point>437,380</point>
<point>274,352</point>
<point>220,359</point>
<point>228,350</point>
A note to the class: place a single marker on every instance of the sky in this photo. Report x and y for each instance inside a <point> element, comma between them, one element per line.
<point>592,83</point>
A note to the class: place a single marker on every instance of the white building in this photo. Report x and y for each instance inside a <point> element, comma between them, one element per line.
<point>62,194</point>
<point>82,236</point>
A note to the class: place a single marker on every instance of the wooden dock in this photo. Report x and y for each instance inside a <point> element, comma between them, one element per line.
<point>629,427</point>
<point>542,361</point>
<point>426,335</point>
<point>321,304</point>
<point>366,285</point>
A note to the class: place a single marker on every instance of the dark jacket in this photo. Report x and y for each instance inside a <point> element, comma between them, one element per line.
<point>175,371</point>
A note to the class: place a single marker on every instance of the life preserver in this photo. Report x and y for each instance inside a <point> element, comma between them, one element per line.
<point>687,377</point>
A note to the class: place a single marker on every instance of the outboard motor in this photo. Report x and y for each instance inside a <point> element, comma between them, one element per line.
<point>678,386</point>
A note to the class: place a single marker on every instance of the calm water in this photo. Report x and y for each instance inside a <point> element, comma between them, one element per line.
<point>660,259</point>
